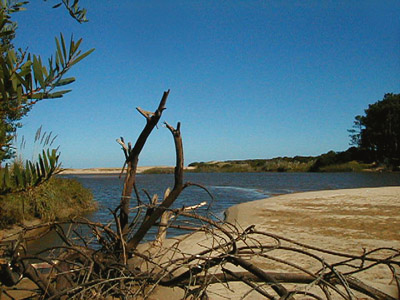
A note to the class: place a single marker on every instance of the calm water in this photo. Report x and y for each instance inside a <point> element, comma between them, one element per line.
<point>228,188</point>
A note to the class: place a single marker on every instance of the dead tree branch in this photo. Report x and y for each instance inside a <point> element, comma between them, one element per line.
<point>133,159</point>
<point>172,196</point>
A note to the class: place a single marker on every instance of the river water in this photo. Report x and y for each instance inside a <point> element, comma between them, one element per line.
<point>227,188</point>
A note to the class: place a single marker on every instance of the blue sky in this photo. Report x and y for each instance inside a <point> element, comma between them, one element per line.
<point>248,79</point>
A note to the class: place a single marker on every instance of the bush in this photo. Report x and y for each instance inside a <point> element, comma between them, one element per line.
<point>57,199</point>
<point>157,170</point>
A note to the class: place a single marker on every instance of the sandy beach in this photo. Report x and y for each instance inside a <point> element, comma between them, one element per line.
<point>350,220</point>
<point>105,171</point>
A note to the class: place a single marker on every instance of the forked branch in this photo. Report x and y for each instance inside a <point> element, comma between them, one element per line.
<point>132,159</point>
<point>171,197</point>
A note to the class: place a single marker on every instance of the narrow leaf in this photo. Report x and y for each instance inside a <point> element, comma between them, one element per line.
<point>65,81</point>
<point>58,94</point>
<point>78,59</point>
<point>59,54</point>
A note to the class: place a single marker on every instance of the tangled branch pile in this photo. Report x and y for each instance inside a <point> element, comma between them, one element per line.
<point>111,261</point>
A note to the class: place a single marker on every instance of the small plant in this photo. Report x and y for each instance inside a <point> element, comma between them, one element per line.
<point>23,176</point>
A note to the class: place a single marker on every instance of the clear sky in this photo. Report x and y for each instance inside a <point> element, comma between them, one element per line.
<point>248,79</point>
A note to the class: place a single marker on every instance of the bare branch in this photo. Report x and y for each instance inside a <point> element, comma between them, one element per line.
<point>132,161</point>
<point>172,196</point>
<point>145,113</point>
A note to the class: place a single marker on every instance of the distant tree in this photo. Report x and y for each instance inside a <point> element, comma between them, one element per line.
<point>355,132</point>
<point>24,79</point>
<point>378,131</point>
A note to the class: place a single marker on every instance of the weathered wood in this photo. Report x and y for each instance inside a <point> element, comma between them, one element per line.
<point>172,196</point>
<point>132,162</point>
<point>278,288</point>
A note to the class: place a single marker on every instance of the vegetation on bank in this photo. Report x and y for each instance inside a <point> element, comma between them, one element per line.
<point>159,170</point>
<point>55,199</point>
<point>346,161</point>
<point>278,164</point>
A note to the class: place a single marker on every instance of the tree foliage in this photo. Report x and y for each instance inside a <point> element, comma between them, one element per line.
<point>24,78</point>
<point>74,9</point>
<point>378,131</point>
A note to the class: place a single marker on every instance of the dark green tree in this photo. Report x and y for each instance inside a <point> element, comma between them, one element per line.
<point>24,78</point>
<point>378,131</point>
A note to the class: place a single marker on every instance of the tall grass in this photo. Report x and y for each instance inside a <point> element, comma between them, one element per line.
<point>31,190</point>
<point>56,199</point>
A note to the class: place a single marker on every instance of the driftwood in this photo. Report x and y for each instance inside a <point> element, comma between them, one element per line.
<point>99,261</point>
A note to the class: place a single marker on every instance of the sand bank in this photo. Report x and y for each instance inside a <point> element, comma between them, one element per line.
<point>105,171</point>
<point>340,220</point>
<point>367,217</point>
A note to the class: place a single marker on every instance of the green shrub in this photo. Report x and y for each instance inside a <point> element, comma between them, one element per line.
<point>351,166</point>
<point>56,199</point>
<point>166,170</point>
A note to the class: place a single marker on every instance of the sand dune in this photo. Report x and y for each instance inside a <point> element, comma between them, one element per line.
<point>105,170</point>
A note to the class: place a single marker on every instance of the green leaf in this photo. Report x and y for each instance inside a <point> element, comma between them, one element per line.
<point>59,54</point>
<point>15,82</point>
<point>39,176</point>
<point>28,174</point>
<point>78,59</point>
<point>19,94</point>
<point>38,96</point>
<point>38,71</point>
<point>7,178</point>
<point>65,81</point>
<point>63,46</point>
<point>42,167</point>
<point>76,45</point>
<point>58,94</point>
<point>33,173</point>
<point>25,68</point>
<point>46,163</point>
<point>18,177</point>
